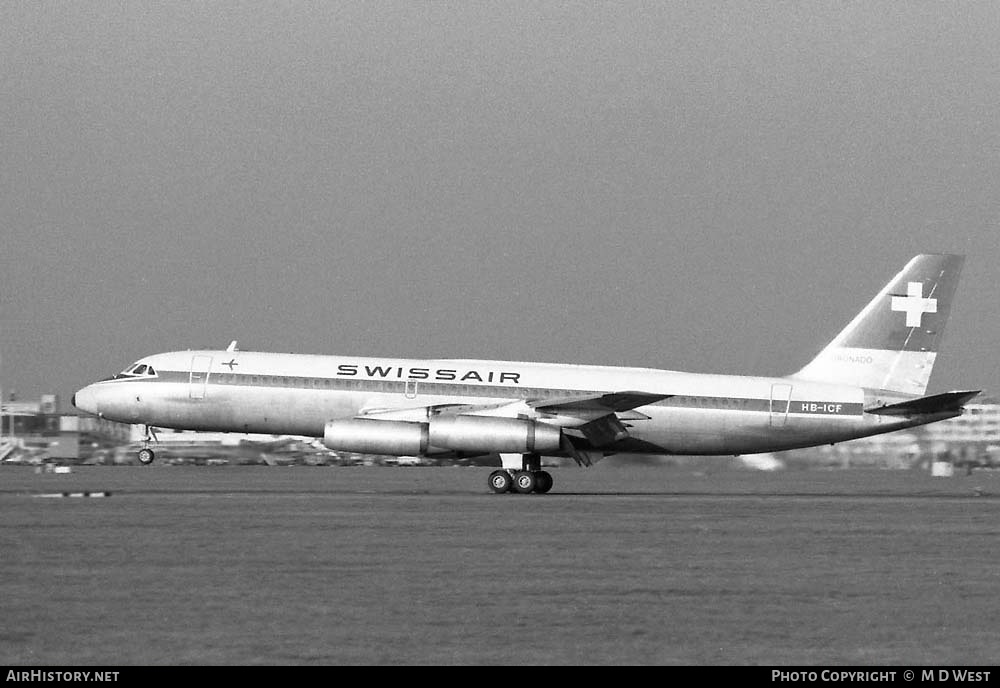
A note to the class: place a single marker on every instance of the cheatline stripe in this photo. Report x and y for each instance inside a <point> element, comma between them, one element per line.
<point>412,388</point>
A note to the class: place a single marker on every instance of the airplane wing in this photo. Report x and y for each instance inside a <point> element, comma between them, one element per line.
<point>611,402</point>
<point>583,405</point>
<point>935,403</point>
<point>604,427</point>
<point>421,413</point>
<point>600,417</point>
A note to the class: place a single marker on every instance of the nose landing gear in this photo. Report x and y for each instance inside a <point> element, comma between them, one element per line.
<point>146,454</point>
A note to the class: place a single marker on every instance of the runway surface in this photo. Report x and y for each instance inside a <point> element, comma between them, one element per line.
<point>618,565</point>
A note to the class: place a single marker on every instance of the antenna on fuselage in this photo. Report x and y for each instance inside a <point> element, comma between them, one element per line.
<point>232,346</point>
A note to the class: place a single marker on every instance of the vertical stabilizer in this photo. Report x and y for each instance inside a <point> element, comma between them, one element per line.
<point>891,344</point>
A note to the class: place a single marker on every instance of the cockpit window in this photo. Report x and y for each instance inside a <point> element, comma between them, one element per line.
<point>138,370</point>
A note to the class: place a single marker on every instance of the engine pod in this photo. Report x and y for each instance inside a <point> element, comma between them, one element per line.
<point>488,434</point>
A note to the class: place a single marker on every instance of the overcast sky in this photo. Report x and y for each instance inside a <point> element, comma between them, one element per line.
<point>714,187</point>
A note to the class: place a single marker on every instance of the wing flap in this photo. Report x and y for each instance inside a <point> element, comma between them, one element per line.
<point>575,448</point>
<point>611,402</point>
<point>600,432</point>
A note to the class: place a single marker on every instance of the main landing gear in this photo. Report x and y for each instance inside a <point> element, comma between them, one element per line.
<point>146,454</point>
<point>526,479</point>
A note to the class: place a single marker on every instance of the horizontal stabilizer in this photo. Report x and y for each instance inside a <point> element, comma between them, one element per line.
<point>936,403</point>
<point>614,401</point>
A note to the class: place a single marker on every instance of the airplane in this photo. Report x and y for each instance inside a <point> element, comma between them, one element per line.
<point>870,379</point>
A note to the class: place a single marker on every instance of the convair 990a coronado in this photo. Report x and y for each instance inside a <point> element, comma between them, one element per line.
<point>870,379</point>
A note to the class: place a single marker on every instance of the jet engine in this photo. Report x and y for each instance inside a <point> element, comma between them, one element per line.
<point>467,434</point>
<point>488,434</point>
<point>370,436</point>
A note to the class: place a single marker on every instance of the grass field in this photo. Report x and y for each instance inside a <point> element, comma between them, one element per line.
<point>618,565</point>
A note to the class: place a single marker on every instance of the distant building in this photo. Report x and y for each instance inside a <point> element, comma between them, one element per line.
<point>972,437</point>
<point>37,429</point>
<point>49,404</point>
<point>979,425</point>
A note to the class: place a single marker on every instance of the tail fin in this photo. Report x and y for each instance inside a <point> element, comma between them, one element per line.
<point>891,345</point>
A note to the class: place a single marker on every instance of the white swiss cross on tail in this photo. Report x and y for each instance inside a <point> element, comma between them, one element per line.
<point>914,304</point>
<point>877,350</point>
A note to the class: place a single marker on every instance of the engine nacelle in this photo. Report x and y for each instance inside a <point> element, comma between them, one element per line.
<point>370,436</point>
<point>493,435</point>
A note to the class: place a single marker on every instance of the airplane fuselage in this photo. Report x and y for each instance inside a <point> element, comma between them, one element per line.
<point>296,394</point>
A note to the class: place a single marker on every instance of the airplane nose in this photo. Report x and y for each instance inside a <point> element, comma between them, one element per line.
<point>86,400</point>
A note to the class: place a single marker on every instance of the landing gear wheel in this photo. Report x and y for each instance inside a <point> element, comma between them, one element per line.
<point>524,482</point>
<point>500,481</point>
<point>543,482</point>
<point>146,456</point>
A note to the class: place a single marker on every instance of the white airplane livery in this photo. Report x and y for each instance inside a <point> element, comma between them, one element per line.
<point>871,379</point>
